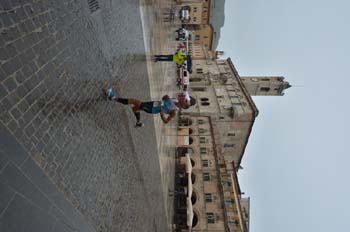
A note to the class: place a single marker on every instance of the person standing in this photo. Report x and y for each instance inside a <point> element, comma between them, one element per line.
<point>179,57</point>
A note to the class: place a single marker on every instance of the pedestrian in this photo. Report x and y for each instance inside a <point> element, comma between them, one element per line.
<point>179,57</point>
<point>167,107</point>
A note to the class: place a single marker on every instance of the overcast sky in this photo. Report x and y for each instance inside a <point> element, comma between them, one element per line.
<point>296,165</point>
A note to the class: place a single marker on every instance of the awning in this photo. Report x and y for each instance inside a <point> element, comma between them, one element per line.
<point>189,212</point>
<point>189,186</point>
<point>188,164</point>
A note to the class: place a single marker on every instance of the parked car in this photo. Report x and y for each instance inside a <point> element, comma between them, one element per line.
<point>184,14</point>
<point>183,77</point>
<point>182,34</point>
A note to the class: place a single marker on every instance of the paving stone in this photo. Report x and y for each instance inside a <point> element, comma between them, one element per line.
<point>23,106</point>
<point>6,193</point>
<point>15,178</point>
<point>12,126</point>
<point>3,91</point>
<point>16,217</point>
<point>16,113</point>
<point>18,15</point>
<point>10,147</point>
<point>3,54</point>
<point>11,66</point>
<point>3,160</point>
<point>4,17</point>
<point>10,84</point>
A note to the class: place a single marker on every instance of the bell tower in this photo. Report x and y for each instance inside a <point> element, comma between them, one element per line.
<point>265,85</point>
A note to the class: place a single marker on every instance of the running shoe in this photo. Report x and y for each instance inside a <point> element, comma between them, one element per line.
<point>139,124</point>
<point>110,94</point>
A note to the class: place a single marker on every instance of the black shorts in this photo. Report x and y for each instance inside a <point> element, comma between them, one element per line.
<point>147,106</point>
<point>152,107</point>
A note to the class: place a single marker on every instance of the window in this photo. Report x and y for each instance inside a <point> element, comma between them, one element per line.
<point>265,89</point>
<point>210,218</point>
<point>206,176</point>
<point>232,224</point>
<point>198,37</point>
<point>205,37</point>
<point>199,70</point>
<point>203,151</point>
<point>205,163</point>
<point>198,89</point>
<point>201,139</point>
<point>195,79</point>
<point>202,131</point>
<point>227,184</point>
<point>194,19</point>
<point>204,99</point>
<point>229,202</point>
<point>231,134</point>
<point>200,121</point>
<point>205,103</point>
<point>228,145</point>
<point>208,197</point>
<point>194,9</point>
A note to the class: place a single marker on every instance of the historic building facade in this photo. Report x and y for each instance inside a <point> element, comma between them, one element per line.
<point>213,136</point>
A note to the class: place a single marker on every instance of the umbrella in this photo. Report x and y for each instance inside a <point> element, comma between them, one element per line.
<point>189,212</point>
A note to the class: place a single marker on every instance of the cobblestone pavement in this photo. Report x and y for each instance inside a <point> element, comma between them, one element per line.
<point>55,58</point>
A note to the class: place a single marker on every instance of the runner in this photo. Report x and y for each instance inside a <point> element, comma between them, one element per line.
<point>167,107</point>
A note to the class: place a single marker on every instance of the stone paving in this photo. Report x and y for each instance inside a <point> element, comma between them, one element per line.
<point>56,56</point>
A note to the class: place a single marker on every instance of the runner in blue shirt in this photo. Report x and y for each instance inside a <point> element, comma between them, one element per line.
<point>167,107</point>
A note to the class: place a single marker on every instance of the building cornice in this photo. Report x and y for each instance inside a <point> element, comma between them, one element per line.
<point>236,192</point>
<point>251,103</point>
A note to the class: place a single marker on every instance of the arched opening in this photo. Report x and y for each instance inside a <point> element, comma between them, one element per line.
<point>190,131</point>
<point>190,140</point>
<point>194,198</point>
<point>193,178</point>
<point>195,220</point>
<point>193,163</point>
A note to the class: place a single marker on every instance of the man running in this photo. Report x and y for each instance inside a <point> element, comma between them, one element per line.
<point>167,106</point>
